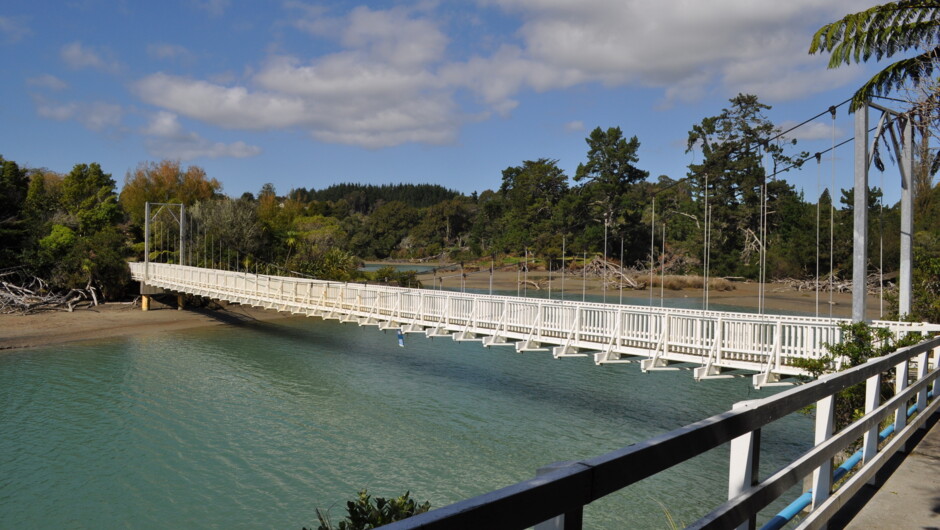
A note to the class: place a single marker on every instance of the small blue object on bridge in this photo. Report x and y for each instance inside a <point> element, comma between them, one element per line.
<point>401,338</point>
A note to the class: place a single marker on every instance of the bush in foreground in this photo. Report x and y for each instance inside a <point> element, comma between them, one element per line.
<point>365,512</point>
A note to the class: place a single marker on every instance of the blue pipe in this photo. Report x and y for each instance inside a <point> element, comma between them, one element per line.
<point>794,508</point>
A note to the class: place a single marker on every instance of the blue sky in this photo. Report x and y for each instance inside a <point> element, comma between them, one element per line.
<point>310,94</point>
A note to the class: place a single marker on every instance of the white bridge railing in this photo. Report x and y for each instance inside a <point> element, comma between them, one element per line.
<point>656,337</point>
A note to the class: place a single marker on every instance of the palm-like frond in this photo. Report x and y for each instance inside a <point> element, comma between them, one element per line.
<point>881,32</point>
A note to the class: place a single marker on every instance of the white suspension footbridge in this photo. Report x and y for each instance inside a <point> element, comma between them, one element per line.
<point>711,343</point>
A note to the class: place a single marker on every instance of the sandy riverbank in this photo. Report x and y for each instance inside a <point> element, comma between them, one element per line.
<point>777,297</point>
<point>115,320</point>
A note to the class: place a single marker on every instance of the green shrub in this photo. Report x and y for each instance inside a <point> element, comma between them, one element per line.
<point>365,512</point>
<point>860,343</point>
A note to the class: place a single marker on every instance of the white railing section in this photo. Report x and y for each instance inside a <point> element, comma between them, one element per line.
<point>657,337</point>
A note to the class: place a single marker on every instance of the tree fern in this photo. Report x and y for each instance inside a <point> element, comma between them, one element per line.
<point>908,26</point>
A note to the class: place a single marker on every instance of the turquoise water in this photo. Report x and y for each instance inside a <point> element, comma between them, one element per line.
<point>256,425</point>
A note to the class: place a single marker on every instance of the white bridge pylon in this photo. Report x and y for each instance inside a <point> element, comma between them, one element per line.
<point>708,342</point>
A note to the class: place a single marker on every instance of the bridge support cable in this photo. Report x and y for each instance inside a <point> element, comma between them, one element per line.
<point>149,219</point>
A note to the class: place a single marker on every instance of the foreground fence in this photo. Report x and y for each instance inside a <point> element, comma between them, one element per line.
<point>564,493</point>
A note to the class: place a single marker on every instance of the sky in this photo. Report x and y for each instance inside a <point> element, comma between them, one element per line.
<point>309,94</point>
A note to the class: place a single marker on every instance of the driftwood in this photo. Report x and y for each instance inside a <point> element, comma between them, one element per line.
<point>837,284</point>
<point>535,285</point>
<point>610,273</point>
<point>31,295</point>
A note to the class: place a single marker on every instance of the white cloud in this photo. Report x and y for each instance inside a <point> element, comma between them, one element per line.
<point>681,45</point>
<point>213,7</point>
<point>78,56</point>
<point>821,129</point>
<point>394,37</point>
<point>313,19</point>
<point>391,80</point>
<point>55,111</point>
<point>166,51</point>
<point>13,29</point>
<point>498,78</point>
<point>47,81</point>
<point>96,116</point>
<point>167,139</point>
<point>233,108</point>
<point>371,122</point>
<point>100,116</point>
<point>381,90</point>
<point>574,126</point>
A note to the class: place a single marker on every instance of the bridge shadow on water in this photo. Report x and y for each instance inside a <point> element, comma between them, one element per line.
<point>628,400</point>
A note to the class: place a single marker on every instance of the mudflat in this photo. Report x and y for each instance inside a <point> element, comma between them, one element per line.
<point>777,297</point>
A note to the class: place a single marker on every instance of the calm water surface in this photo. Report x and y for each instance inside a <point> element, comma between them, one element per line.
<point>256,425</point>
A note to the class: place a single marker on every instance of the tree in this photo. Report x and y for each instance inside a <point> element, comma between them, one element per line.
<point>98,260</point>
<point>910,28</point>
<point>608,176</point>
<point>88,195</point>
<point>531,193</point>
<point>165,181</point>
<point>42,197</point>
<point>313,237</point>
<point>442,224</point>
<point>610,166</point>
<point>384,229</point>
<point>13,186</point>
<point>336,264</point>
<point>13,189</point>
<point>732,178</point>
<point>226,226</point>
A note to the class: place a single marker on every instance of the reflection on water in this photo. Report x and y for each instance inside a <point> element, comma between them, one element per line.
<point>256,425</point>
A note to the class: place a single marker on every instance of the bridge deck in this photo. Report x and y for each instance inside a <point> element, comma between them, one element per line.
<point>709,342</point>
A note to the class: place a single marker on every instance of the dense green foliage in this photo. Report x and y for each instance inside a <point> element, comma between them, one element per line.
<point>363,198</point>
<point>13,189</point>
<point>365,512</point>
<point>66,229</point>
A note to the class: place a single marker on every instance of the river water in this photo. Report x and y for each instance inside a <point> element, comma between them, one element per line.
<point>256,425</point>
